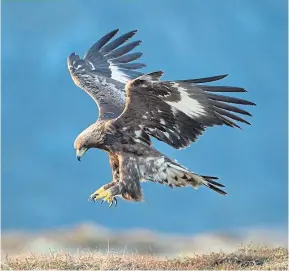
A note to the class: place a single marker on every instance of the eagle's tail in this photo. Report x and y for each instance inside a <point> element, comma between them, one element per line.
<point>177,175</point>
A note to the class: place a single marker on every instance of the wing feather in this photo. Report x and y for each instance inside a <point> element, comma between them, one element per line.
<point>230,115</point>
<point>230,108</point>
<point>221,89</point>
<point>177,112</point>
<point>131,66</point>
<point>228,99</point>
<point>123,50</point>
<point>105,69</point>
<point>117,42</point>
<point>204,80</point>
<point>100,43</point>
<point>127,58</point>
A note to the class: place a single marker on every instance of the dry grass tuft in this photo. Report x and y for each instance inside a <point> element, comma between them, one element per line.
<point>245,258</point>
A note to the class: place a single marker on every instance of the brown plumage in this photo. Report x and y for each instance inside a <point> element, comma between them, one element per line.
<point>160,109</point>
<point>134,106</point>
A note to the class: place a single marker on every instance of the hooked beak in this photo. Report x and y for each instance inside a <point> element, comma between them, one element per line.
<point>80,153</point>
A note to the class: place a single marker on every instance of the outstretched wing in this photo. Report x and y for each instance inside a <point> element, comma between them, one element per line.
<point>177,112</point>
<point>105,69</point>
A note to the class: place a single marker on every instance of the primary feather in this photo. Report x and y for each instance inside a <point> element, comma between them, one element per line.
<point>177,112</point>
<point>105,69</point>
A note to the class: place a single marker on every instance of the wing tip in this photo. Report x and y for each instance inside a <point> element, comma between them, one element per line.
<point>138,42</point>
<point>204,79</point>
<point>71,59</point>
<point>135,31</point>
<point>115,31</point>
<point>222,76</point>
<point>110,35</point>
<point>130,34</point>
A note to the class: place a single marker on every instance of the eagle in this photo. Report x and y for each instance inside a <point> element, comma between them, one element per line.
<point>135,106</point>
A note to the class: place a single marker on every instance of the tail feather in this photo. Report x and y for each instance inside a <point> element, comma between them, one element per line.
<point>211,178</point>
<point>213,187</point>
<point>213,182</point>
<point>180,176</point>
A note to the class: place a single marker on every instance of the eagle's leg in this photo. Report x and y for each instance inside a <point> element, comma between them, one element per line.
<point>107,193</point>
<point>129,177</point>
<point>101,190</point>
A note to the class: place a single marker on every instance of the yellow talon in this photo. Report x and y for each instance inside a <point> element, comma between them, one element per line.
<point>98,191</point>
<point>103,194</point>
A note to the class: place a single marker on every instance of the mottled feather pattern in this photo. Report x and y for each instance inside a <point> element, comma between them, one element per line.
<point>177,112</point>
<point>129,177</point>
<point>159,168</point>
<point>134,106</point>
<point>105,69</point>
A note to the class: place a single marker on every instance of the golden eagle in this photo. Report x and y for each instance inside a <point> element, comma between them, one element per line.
<point>134,106</point>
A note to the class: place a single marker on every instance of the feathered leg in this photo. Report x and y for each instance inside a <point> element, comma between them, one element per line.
<point>102,192</point>
<point>126,183</point>
<point>129,178</point>
<point>128,186</point>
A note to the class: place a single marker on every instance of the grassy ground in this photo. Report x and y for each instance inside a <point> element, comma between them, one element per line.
<point>243,259</point>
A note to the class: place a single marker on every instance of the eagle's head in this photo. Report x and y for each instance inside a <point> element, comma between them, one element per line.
<point>91,137</point>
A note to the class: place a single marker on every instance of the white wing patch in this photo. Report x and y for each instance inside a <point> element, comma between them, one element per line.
<point>187,104</point>
<point>91,65</point>
<point>138,133</point>
<point>118,75</point>
<point>166,134</point>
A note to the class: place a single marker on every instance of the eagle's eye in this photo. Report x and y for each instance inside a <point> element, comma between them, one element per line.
<point>84,145</point>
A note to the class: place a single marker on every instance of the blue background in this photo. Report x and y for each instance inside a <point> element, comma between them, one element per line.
<point>44,186</point>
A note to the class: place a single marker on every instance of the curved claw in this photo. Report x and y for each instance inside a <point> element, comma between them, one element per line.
<point>91,198</point>
<point>113,202</point>
<point>104,195</point>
